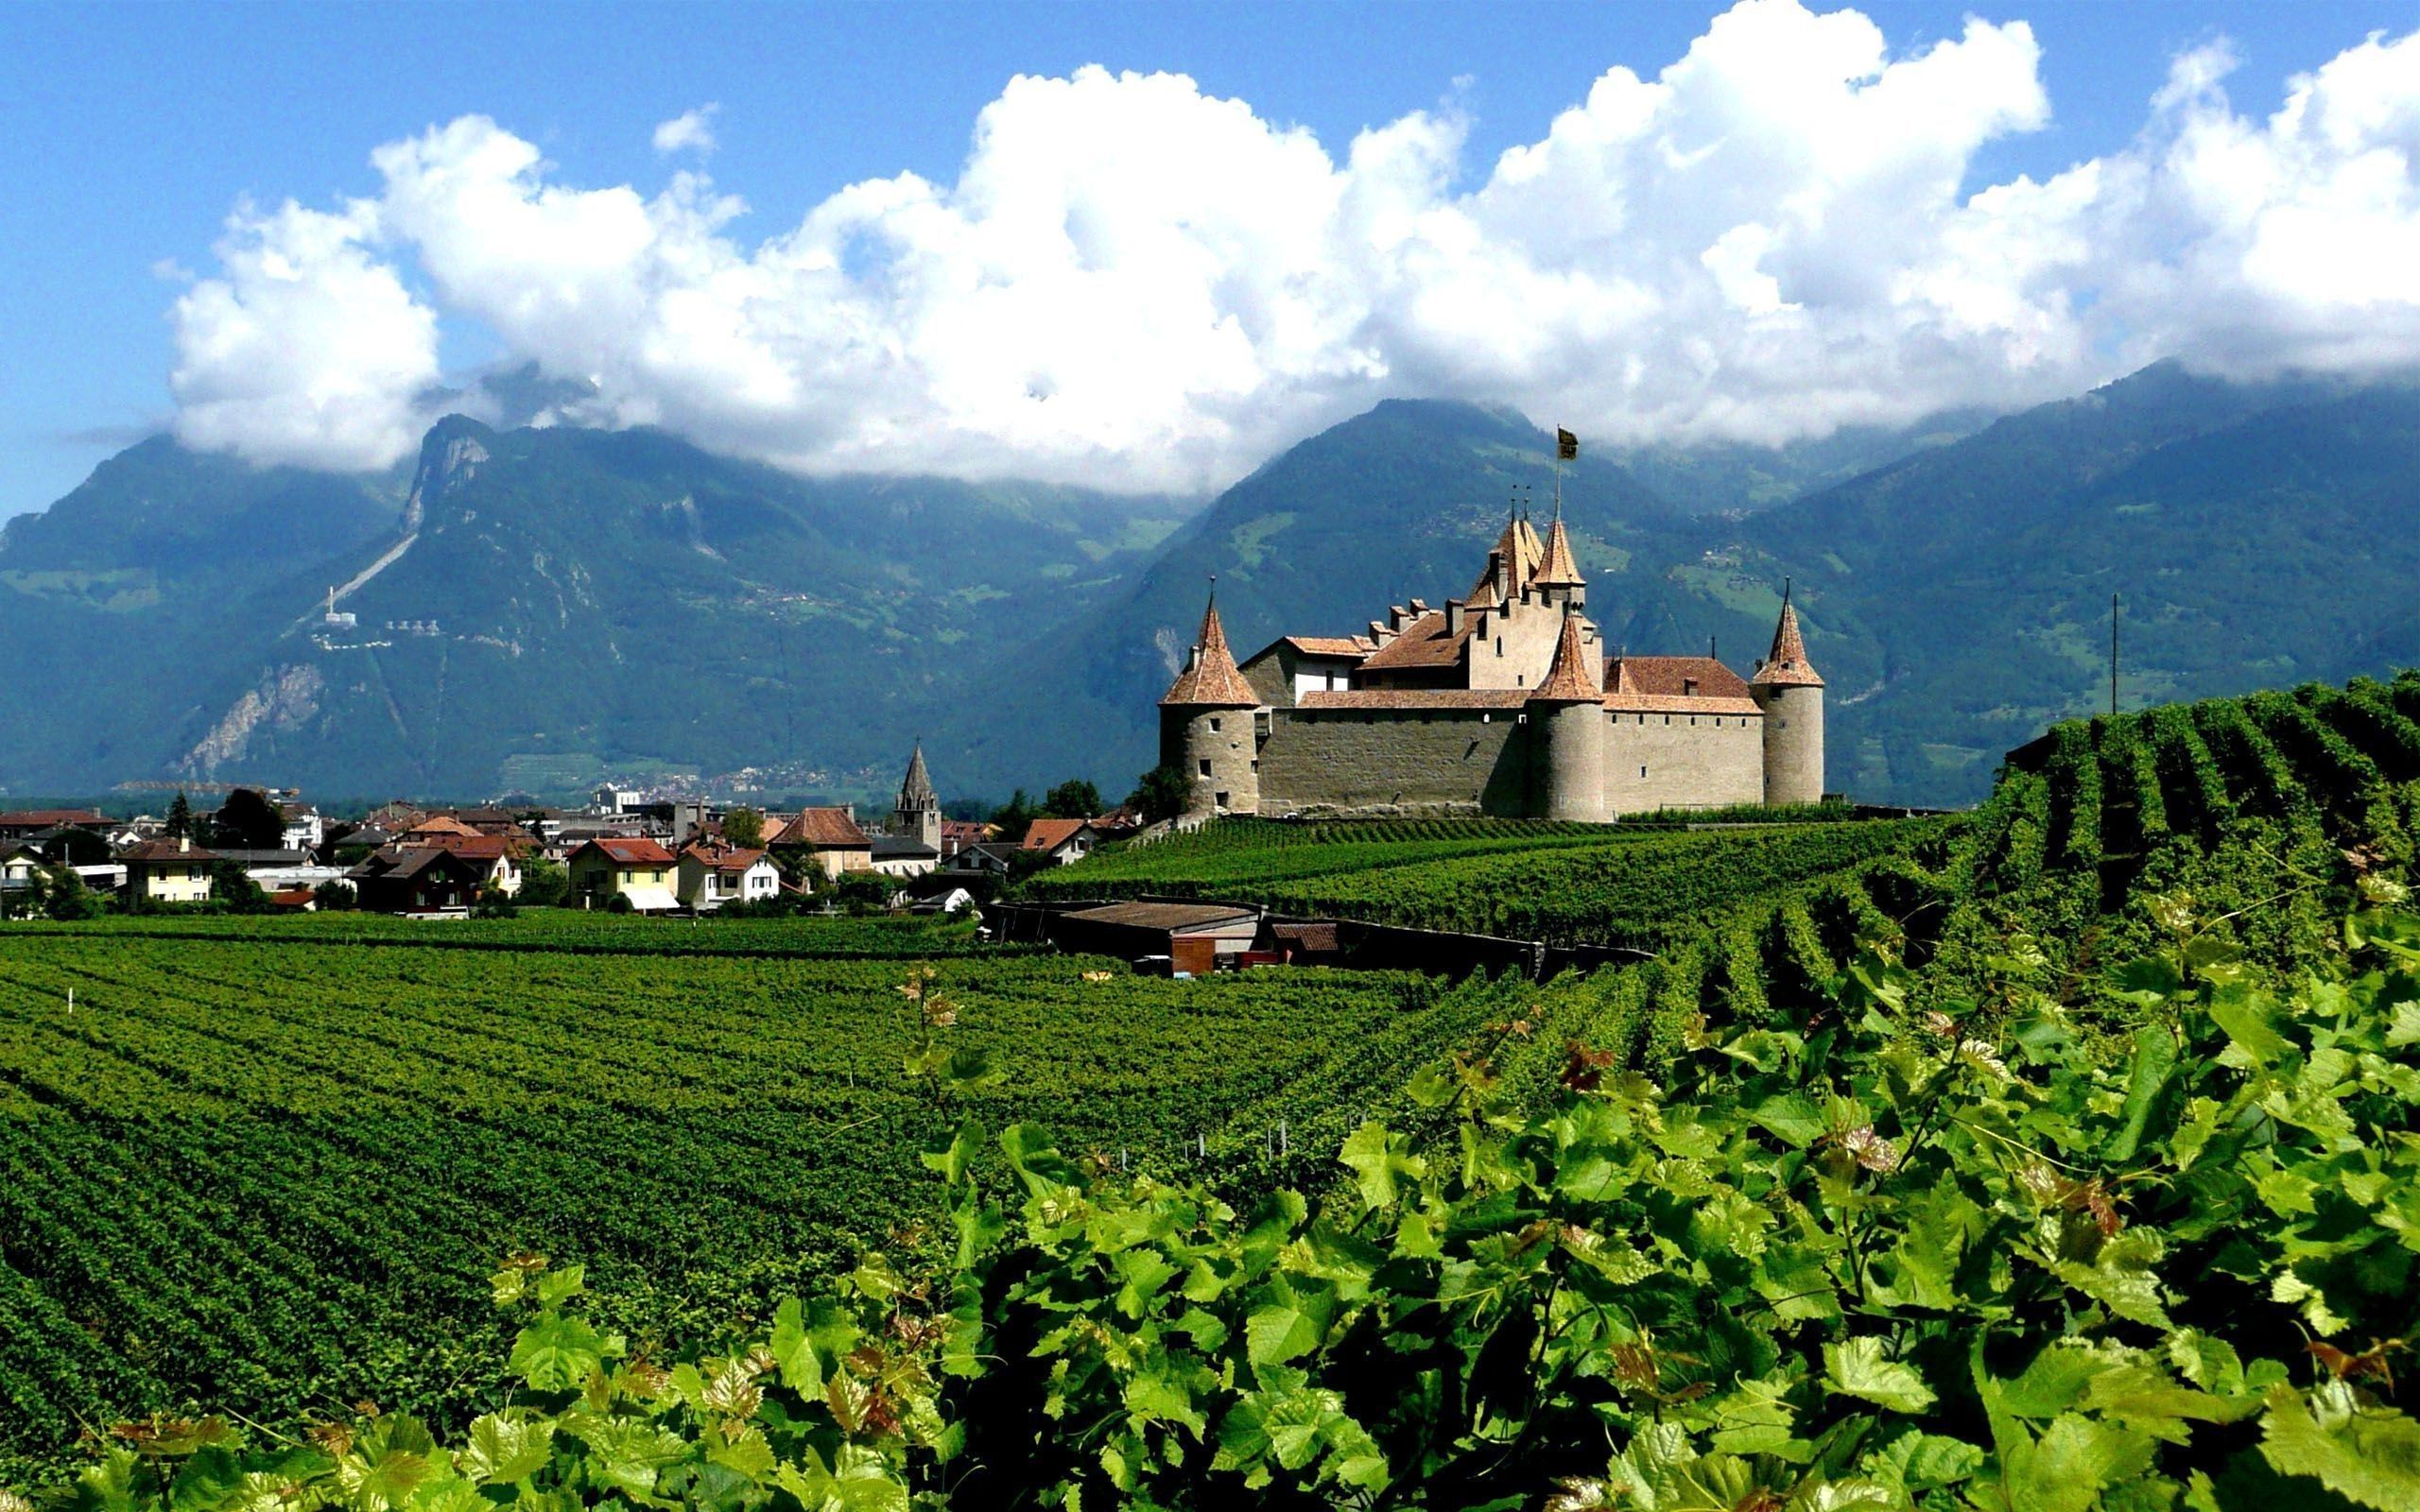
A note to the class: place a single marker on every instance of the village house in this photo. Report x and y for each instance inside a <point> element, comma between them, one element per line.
<point>414,880</point>
<point>710,876</point>
<point>898,856</point>
<point>167,872</point>
<point>495,859</point>
<point>1061,842</point>
<point>25,824</point>
<point>640,871</point>
<point>18,864</point>
<point>825,839</point>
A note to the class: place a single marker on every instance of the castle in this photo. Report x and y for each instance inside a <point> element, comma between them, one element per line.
<point>1503,702</point>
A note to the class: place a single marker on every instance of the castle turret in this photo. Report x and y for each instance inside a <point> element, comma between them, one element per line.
<point>1207,726</point>
<point>1566,717</point>
<point>1559,581</point>
<point>917,816</point>
<point>1787,687</point>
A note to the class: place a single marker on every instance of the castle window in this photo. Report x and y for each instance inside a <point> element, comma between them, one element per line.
<point>1220,800</point>
<point>1499,646</point>
<point>1214,724</point>
<point>1693,721</point>
<point>1668,719</point>
<point>1205,766</point>
<point>1256,765</point>
<point>1642,771</point>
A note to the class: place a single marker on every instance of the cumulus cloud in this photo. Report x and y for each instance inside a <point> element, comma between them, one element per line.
<point>689,131</point>
<point>307,348</point>
<point>1135,284</point>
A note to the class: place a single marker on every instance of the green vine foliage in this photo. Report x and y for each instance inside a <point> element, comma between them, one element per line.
<point>1891,1250</point>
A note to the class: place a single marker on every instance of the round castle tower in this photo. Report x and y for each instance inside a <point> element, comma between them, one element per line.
<point>1568,724</point>
<point>1790,692</point>
<point>1207,726</point>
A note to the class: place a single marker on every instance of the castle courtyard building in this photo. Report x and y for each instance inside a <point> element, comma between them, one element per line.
<point>1501,702</point>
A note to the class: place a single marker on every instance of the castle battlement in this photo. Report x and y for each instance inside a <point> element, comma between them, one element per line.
<point>1500,702</point>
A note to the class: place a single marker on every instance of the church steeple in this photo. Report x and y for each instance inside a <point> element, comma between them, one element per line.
<point>918,813</point>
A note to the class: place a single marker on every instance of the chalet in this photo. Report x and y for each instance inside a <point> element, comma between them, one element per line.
<point>167,872</point>
<point>985,858</point>
<point>827,839</point>
<point>641,871</point>
<point>710,876</point>
<point>414,880</point>
<point>497,858</point>
<point>1061,842</point>
<point>18,864</point>
<point>1190,936</point>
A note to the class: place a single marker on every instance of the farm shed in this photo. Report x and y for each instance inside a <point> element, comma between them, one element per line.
<point>1191,935</point>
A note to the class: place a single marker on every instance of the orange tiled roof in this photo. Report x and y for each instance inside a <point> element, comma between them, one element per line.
<point>1424,642</point>
<point>824,829</point>
<point>1568,679</point>
<point>1049,835</point>
<point>1670,676</point>
<point>725,860</point>
<point>1417,698</point>
<point>1210,676</point>
<point>1331,645</point>
<point>1787,665</point>
<point>634,852</point>
<point>1560,569</point>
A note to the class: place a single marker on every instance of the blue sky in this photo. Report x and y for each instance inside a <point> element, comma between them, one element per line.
<point>137,129</point>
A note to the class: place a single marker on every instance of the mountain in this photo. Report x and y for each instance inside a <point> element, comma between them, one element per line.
<point>530,609</point>
<point>533,608</point>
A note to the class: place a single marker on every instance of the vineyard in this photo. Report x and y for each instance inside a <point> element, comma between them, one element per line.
<point>267,1172</point>
<point>1566,885</point>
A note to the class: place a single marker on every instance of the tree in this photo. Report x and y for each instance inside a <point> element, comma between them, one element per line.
<point>77,848</point>
<point>1014,817</point>
<point>861,892</point>
<point>180,825</point>
<point>493,902</point>
<point>544,883</point>
<point>744,828</point>
<point>65,897</point>
<point>229,883</point>
<point>1074,798</point>
<point>333,897</point>
<point>248,819</point>
<point>1160,794</point>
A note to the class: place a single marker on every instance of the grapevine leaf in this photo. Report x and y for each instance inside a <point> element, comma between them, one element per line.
<point>1289,1321</point>
<point>1793,1118</point>
<point>557,1353</point>
<point>503,1452</point>
<point>808,1343</point>
<point>2368,1453</point>
<point>1377,1157</point>
<point>949,1160</point>
<point>1856,1367</point>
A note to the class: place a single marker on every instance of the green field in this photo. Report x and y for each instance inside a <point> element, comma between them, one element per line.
<point>265,1164</point>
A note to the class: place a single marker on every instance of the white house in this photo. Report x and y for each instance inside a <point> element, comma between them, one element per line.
<point>708,879</point>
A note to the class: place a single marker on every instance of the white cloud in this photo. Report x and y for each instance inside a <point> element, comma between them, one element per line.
<point>305,348</point>
<point>1134,284</point>
<point>689,131</point>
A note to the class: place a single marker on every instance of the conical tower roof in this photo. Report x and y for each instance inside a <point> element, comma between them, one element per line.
<point>1569,681</point>
<point>1210,679</point>
<point>916,790</point>
<point>1559,568</point>
<point>1787,665</point>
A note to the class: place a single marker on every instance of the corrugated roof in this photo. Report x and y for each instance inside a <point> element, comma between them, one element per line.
<point>1210,678</point>
<point>1171,917</point>
<point>1787,665</point>
<point>1568,679</point>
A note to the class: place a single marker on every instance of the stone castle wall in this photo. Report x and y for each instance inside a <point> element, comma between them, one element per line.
<point>1664,761</point>
<point>1442,761</point>
<point>1794,745</point>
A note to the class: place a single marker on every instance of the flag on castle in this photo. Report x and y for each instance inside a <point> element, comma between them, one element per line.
<point>1566,446</point>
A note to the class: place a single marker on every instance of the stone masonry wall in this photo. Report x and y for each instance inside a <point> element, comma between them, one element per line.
<point>1429,761</point>
<point>1719,760</point>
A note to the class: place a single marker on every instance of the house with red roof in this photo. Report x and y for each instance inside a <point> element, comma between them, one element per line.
<point>710,876</point>
<point>640,872</point>
<point>1060,842</point>
<point>822,839</point>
